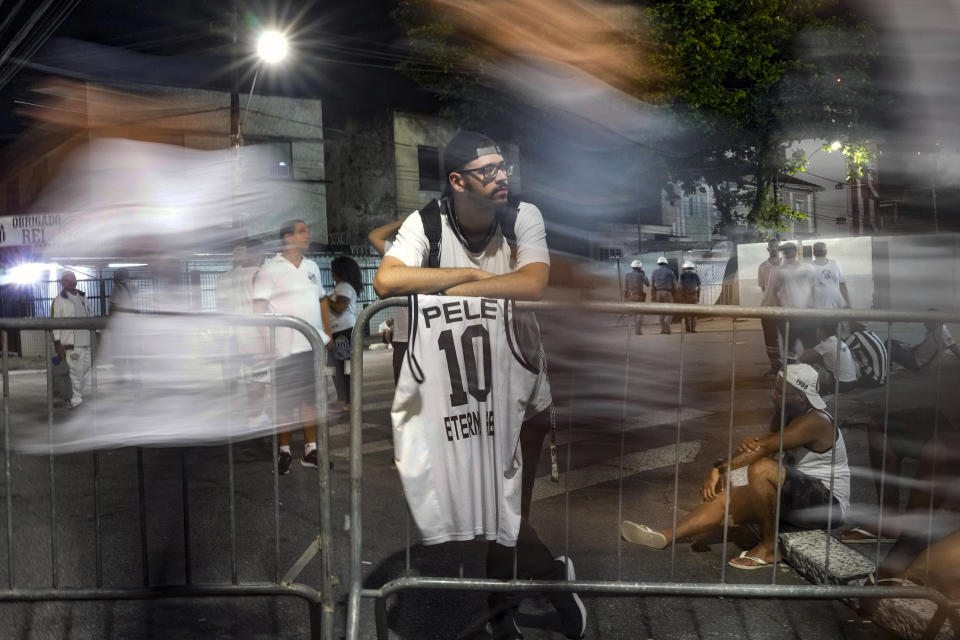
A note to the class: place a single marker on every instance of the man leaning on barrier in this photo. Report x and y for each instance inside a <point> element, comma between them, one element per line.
<point>810,468</point>
<point>488,247</point>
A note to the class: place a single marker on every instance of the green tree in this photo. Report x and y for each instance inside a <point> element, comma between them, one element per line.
<point>751,76</point>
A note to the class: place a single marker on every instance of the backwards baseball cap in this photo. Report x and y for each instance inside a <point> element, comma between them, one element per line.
<point>804,378</point>
<point>464,148</point>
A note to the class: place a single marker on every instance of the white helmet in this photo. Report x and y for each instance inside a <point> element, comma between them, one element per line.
<point>688,265</point>
<point>636,264</point>
<point>662,260</point>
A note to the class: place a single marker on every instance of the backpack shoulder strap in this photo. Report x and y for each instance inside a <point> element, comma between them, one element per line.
<point>430,217</point>
<point>507,216</point>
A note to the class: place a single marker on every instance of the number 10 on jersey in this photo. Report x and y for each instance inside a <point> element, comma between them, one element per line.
<point>467,355</point>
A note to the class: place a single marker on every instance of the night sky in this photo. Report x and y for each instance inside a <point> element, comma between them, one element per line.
<point>343,52</point>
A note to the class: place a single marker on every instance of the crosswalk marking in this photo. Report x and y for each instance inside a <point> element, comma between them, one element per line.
<point>633,464</point>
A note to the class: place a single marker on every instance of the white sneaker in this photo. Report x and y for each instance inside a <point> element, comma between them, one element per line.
<point>73,404</point>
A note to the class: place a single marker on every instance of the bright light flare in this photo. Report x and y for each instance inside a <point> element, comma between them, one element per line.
<point>28,272</point>
<point>835,145</point>
<point>272,46</point>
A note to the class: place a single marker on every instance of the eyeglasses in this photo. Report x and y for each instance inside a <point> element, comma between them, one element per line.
<point>490,171</point>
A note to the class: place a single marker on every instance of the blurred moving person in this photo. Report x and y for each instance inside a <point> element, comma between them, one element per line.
<point>791,285</point>
<point>474,242</point>
<point>634,283</point>
<point>664,281</point>
<point>932,438</point>
<point>73,345</point>
<point>830,290</point>
<point>245,348</point>
<point>289,284</point>
<point>810,468</point>
<point>770,326</point>
<point>689,293</point>
<point>342,305</point>
<point>124,298</point>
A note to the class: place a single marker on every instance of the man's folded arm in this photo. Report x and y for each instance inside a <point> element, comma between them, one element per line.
<point>526,283</point>
<point>394,278</point>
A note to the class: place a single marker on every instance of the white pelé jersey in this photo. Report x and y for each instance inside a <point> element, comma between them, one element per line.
<point>463,390</point>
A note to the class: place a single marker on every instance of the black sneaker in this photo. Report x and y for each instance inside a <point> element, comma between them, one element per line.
<point>573,615</point>
<point>309,459</point>
<point>284,460</point>
<point>504,627</point>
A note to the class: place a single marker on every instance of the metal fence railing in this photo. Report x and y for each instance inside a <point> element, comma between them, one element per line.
<point>617,586</point>
<point>278,582</point>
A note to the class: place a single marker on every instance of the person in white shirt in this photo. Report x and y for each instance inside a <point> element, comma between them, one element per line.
<point>124,299</point>
<point>492,249</point>
<point>245,346</point>
<point>770,327</point>
<point>381,239</point>
<point>72,303</point>
<point>289,284</point>
<point>830,290</point>
<point>791,285</point>
<point>342,303</point>
<point>832,359</point>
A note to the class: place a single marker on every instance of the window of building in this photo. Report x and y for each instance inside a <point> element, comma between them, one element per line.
<point>428,168</point>
<point>800,202</point>
<point>609,253</point>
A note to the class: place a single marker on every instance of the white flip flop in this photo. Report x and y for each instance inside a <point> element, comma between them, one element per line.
<point>642,534</point>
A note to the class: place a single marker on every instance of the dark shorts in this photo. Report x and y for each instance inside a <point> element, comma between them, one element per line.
<point>295,380</point>
<point>805,502</point>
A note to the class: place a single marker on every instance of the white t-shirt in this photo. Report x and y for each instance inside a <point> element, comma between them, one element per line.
<point>345,320</point>
<point>71,305</point>
<point>846,370</point>
<point>791,285</point>
<point>291,291</point>
<point>826,291</point>
<point>412,248</point>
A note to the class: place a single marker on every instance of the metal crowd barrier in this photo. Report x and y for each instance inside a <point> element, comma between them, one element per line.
<point>618,587</point>
<point>320,601</point>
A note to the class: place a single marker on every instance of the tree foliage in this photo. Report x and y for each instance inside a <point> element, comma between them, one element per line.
<point>751,76</point>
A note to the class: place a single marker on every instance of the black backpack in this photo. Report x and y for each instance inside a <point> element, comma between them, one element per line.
<point>430,217</point>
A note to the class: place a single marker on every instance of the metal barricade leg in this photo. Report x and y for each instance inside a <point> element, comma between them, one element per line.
<point>6,457</point>
<point>726,497</point>
<point>317,626</point>
<point>380,612</point>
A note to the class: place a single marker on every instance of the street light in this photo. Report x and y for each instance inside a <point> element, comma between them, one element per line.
<point>272,47</point>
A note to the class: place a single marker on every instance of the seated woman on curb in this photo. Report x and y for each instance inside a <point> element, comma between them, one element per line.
<point>809,465</point>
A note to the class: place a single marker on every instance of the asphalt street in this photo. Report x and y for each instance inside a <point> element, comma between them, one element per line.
<point>617,397</point>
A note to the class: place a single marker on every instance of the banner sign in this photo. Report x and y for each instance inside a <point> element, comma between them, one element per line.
<point>32,229</point>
